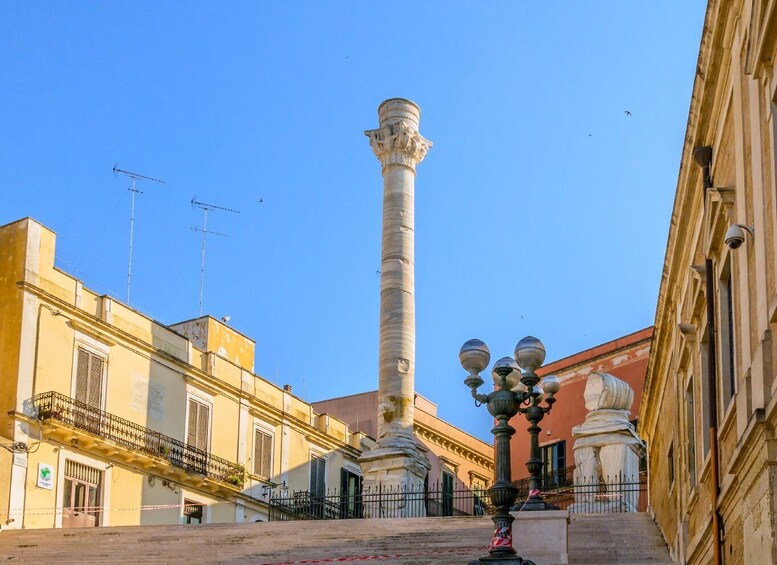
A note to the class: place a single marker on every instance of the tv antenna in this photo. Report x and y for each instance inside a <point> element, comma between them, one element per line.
<point>205,207</point>
<point>133,190</point>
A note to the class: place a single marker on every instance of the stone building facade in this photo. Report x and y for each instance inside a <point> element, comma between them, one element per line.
<point>709,406</point>
<point>624,357</point>
<point>108,417</point>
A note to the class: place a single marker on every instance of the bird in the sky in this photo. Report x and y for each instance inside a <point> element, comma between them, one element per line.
<point>627,113</point>
<point>261,201</point>
<point>590,135</point>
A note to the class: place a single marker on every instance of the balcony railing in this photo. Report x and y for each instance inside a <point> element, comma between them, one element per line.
<point>79,415</point>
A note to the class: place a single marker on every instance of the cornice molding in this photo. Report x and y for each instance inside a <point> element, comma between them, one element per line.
<point>452,445</point>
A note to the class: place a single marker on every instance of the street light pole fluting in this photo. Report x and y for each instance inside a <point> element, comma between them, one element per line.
<point>508,399</point>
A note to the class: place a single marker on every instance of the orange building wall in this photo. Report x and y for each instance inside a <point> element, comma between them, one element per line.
<point>625,358</point>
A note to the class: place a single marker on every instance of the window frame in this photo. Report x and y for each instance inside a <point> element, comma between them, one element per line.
<point>258,428</point>
<point>321,457</point>
<point>727,357</point>
<point>690,423</point>
<point>97,349</point>
<point>192,397</point>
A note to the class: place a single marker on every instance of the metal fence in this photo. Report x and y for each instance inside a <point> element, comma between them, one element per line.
<point>592,495</point>
<point>81,416</point>
<point>381,502</point>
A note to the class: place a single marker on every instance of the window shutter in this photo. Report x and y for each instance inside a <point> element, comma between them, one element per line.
<point>257,452</point>
<point>262,454</point>
<point>266,456</point>
<point>191,437</point>
<point>95,381</point>
<point>202,427</point>
<point>82,376</point>
<point>321,477</point>
<point>317,476</point>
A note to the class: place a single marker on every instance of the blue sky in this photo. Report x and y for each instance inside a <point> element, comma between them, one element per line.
<point>542,208</point>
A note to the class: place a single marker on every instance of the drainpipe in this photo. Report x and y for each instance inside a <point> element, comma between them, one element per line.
<point>703,157</point>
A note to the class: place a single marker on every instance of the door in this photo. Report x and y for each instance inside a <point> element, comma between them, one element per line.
<point>447,494</point>
<point>317,486</point>
<point>81,496</point>
<point>350,494</point>
<point>553,464</point>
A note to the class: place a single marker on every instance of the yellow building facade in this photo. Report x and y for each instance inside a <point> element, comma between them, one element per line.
<point>110,418</point>
<point>709,405</point>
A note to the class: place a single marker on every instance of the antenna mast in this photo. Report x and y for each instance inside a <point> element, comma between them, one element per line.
<point>205,209</point>
<point>133,190</point>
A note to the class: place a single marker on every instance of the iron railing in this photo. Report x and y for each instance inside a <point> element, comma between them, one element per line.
<point>558,478</point>
<point>599,495</point>
<point>380,502</point>
<point>79,415</point>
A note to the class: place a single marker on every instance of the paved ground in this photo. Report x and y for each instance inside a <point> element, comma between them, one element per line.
<point>421,541</point>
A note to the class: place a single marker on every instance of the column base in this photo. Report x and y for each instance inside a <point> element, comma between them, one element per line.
<point>393,483</point>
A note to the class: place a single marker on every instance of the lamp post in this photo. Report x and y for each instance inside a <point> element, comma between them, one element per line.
<point>516,391</point>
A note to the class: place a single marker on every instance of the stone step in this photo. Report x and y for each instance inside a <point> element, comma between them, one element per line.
<point>622,540</point>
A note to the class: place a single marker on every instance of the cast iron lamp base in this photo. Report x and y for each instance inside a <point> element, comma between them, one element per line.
<point>533,505</point>
<point>503,561</point>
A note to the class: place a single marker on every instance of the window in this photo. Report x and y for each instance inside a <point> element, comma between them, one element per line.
<point>199,422</point>
<point>670,464</point>
<point>317,476</point>
<point>727,365</point>
<point>192,512</point>
<point>554,460</point>
<point>89,378</point>
<point>197,436</point>
<point>705,392</point>
<point>262,454</point>
<point>691,431</point>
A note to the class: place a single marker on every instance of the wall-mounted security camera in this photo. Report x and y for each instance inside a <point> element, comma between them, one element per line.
<point>735,235</point>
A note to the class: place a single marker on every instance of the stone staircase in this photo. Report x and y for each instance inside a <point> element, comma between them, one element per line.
<point>625,539</point>
<point>614,539</point>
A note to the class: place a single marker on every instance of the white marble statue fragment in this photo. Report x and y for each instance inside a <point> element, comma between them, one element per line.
<point>607,449</point>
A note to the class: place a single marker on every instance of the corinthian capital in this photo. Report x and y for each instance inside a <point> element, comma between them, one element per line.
<point>398,144</point>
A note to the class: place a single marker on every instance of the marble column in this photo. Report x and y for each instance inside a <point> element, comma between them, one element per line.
<point>396,461</point>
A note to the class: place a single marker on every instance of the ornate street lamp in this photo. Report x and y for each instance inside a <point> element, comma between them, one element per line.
<point>516,391</point>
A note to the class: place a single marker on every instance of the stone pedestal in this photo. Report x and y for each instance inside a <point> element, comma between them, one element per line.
<point>396,463</point>
<point>394,483</point>
<point>542,537</point>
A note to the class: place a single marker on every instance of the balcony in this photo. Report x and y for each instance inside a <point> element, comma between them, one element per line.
<point>76,423</point>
